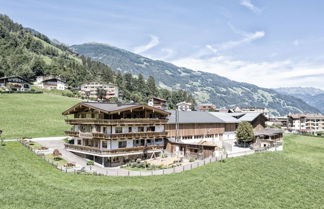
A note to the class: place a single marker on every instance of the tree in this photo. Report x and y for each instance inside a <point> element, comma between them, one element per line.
<point>151,86</point>
<point>244,132</point>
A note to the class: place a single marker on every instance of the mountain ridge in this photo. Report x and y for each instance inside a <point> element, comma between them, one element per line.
<point>312,96</point>
<point>206,87</point>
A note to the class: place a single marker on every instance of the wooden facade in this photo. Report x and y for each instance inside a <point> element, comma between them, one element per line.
<point>189,150</point>
<point>112,134</point>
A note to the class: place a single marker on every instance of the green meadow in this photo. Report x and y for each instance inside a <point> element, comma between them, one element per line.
<point>33,115</point>
<point>293,178</point>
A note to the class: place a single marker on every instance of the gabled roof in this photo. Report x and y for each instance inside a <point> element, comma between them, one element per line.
<point>112,108</point>
<point>268,132</point>
<point>248,116</point>
<point>50,79</point>
<point>191,117</point>
<point>226,117</point>
<point>4,78</point>
<point>158,98</point>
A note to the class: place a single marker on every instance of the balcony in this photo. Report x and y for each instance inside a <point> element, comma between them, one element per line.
<point>95,150</point>
<point>135,135</point>
<point>130,121</point>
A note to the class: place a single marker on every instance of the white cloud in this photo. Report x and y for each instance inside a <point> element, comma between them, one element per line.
<point>275,74</point>
<point>151,44</point>
<point>248,4</point>
<point>247,38</point>
<point>296,43</point>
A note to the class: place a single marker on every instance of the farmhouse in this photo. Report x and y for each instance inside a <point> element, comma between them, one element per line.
<point>257,119</point>
<point>157,103</point>
<point>268,137</point>
<point>98,90</point>
<point>184,106</point>
<point>15,83</point>
<point>112,134</point>
<point>50,82</point>
<point>206,107</point>
<point>199,134</point>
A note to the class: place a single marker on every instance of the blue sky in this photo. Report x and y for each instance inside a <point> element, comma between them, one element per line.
<point>268,43</point>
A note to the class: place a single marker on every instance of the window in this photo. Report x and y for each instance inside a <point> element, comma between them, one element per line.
<point>158,140</point>
<point>79,142</point>
<point>140,129</point>
<point>148,141</point>
<point>85,128</point>
<point>104,144</point>
<point>119,130</point>
<point>130,130</point>
<point>122,144</point>
<point>151,128</point>
<point>97,128</point>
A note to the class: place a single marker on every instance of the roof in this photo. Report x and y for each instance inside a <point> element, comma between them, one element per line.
<point>248,116</point>
<point>50,79</point>
<point>201,117</point>
<point>309,116</point>
<point>268,132</point>
<point>226,117</point>
<point>4,78</point>
<point>158,98</point>
<point>111,108</point>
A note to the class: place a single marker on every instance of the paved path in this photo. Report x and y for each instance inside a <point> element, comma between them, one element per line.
<point>39,139</point>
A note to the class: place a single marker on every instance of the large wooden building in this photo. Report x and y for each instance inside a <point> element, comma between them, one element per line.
<point>112,134</point>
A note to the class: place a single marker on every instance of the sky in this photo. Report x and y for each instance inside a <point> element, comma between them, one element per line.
<point>268,43</point>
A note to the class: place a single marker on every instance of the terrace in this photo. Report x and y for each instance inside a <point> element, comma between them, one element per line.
<point>114,152</point>
<point>136,135</point>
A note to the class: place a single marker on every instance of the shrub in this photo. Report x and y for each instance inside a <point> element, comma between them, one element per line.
<point>56,152</point>
<point>192,160</point>
<point>90,162</point>
<point>69,165</point>
<point>57,158</point>
<point>164,155</point>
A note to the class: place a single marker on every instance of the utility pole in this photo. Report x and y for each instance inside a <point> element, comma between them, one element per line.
<point>177,124</point>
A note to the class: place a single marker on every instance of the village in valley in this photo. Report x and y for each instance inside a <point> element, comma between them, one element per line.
<point>164,104</point>
<point>151,136</point>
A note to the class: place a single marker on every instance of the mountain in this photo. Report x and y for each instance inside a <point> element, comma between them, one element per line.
<point>312,96</point>
<point>29,53</point>
<point>206,87</point>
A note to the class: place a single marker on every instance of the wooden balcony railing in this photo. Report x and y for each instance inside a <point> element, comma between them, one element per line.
<point>96,150</point>
<point>131,121</point>
<point>135,135</point>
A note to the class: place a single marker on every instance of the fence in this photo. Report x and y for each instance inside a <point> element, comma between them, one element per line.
<point>95,170</point>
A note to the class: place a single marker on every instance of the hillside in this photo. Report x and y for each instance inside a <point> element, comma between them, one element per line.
<point>312,96</point>
<point>29,53</point>
<point>33,115</point>
<point>206,87</point>
<point>289,179</point>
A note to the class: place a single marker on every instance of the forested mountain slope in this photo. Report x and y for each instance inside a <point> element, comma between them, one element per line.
<point>29,53</point>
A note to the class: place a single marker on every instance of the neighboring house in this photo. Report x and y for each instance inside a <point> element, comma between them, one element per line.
<point>157,103</point>
<point>306,123</point>
<point>184,106</point>
<point>50,82</point>
<point>256,119</point>
<point>206,107</point>
<point>97,90</point>
<point>15,83</point>
<point>112,134</point>
<point>199,134</point>
<point>268,138</point>
<point>265,111</point>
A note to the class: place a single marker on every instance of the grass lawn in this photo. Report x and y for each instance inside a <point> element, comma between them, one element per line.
<point>289,179</point>
<point>33,115</point>
<point>60,163</point>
